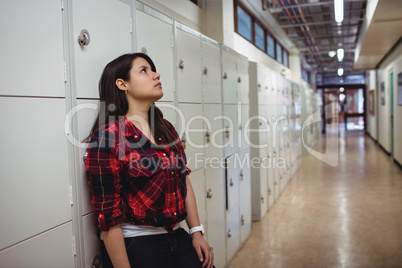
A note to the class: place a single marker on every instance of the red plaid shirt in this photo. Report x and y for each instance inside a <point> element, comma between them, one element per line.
<point>132,180</point>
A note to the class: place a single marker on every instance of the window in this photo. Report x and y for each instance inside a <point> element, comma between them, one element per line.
<point>271,46</point>
<point>285,58</point>
<point>278,52</point>
<point>244,23</point>
<point>259,36</point>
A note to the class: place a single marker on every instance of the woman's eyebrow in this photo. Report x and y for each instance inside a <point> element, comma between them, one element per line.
<point>143,66</point>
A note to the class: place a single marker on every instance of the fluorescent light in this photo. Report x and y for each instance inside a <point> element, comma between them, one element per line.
<point>340,71</point>
<point>331,53</point>
<point>342,89</point>
<point>338,6</point>
<point>340,53</point>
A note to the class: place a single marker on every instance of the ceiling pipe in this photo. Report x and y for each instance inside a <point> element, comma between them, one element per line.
<point>279,9</point>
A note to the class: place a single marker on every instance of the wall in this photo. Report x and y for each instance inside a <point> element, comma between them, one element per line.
<point>392,63</point>
<point>371,85</point>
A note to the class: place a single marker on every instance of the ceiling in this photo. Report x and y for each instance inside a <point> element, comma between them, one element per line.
<point>311,26</point>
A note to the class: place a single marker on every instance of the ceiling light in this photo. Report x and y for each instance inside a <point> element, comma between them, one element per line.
<point>342,89</point>
<point>340,53</point>
<point>332,53</point>
<point>338,6</point>
<point>340,71</point>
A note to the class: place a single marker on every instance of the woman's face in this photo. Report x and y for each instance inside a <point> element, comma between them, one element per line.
<point>144,84</point>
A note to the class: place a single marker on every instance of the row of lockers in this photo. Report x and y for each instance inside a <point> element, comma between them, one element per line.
<point>209,83</point>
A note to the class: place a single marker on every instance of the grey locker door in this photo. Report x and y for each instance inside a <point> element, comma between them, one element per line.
<point>245,197</point>
<point>230,126</point>
<point>211,79</point>
<point>109,24</point>
<point>213,126</point>
<point>31,48</point>
<point>188,62</point>
<point>50,249</point>
<point>154,36</point>
<point>197,179</point>
<point>36,172</point>
<point>242,80</point>
<point>215,206</point>
<point>229,75</point>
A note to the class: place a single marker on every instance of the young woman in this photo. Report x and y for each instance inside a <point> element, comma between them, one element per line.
<point>138,175</point>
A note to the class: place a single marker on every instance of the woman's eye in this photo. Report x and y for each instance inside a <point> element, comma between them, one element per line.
<point>143,71</point>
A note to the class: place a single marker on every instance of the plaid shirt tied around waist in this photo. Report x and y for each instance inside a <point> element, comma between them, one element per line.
<point>133,180</point>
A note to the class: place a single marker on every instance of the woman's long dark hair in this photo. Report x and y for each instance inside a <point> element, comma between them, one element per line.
<point>113,102</point>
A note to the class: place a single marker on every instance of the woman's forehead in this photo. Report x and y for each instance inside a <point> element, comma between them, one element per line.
<point>141,62</point>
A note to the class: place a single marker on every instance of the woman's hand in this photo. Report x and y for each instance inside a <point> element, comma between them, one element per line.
<point>203,250</point>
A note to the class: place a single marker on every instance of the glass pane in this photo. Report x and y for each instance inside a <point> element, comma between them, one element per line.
<point>244,23</point>
<point>259,36</point>
<point>278,52</point>
<point>271,46</point>
<point>285,58</point>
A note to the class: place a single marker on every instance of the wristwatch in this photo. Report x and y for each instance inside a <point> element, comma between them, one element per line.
<point>197,229</point>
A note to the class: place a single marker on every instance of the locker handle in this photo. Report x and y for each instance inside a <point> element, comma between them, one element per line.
<point>227,131</point>
<point>183,140</point>
<point>231,182</point>
<point>144,50</point>
<point>205,70</point>
<point>242,220</point>
<point>262,199</point>
<point>239,79</point>
<point>225,75</point>
<point>269,190</point>
<point>181,64</point>
<point>241,175</point>
<point>96,262</point>
<point>207,135</point>
<point>209,193</point>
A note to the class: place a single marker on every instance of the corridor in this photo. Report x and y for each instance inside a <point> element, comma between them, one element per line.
<point>332,217</point>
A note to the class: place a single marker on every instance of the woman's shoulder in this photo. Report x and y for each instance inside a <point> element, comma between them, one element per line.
<point>106,131</point>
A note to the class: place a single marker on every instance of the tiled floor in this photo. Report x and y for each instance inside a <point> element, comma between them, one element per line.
<point>333,217</point>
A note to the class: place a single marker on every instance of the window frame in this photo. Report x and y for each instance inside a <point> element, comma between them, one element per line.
<point>254,20</point>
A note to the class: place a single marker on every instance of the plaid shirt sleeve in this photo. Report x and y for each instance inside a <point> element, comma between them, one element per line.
<point>104,179</point>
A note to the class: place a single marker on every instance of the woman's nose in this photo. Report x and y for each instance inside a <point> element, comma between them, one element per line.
<point>157,76</point>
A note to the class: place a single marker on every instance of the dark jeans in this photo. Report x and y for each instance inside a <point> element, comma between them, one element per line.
<point>158,251</point>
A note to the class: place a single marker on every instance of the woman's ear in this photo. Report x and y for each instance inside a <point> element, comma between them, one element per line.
<point>121,84</point>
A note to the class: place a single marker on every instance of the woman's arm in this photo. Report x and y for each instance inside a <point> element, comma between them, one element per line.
<point>201,246</point>
<point>115,246</point>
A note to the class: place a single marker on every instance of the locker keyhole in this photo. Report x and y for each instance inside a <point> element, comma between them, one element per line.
<point>84,38</point>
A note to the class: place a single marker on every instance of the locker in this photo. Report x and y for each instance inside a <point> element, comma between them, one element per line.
<point>264,189</point>
<point>50,249</point>
<point>229,75</point>
<point>215,207</point>
<point>37,168</point>
<point>36,31</point>
<point>233,220</point>
<point>245,197</point>
<point>242,80</point>
<point>211,69</point>
<point>262,84</point>
<point>158,45</point>
<point>192,131</point>
<point>230,125</point>
<point>110,33</point>
<point>213,130</point>
<point>91,241</point>
<point>188,64</point>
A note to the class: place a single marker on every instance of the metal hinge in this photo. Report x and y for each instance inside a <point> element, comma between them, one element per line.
<point>70,192</point>
<point>131,25</point>
<point>74,248</point>
<point>62,4</point>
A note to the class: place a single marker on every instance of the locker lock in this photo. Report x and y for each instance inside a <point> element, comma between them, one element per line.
<point>227,131</point>
<point>225,75</point>
<point>84,157</point>
<point>229,233</point>
<point>262,199</point>
<point>242,220</point>
<point>209,193</point>
<point>84,38</point>
<point>231,182</point>
<point>144,50</point>
<point>241,175</point>
<point>183,140</point>
<point>239,79</point>
<point>181,64</point>
<point>207,135</point>
<point>205,70</point>
<point>269,190</point>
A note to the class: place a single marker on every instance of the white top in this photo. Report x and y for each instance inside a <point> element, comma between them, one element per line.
<point>132,230</point>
